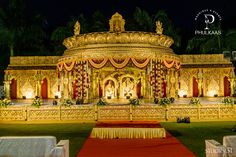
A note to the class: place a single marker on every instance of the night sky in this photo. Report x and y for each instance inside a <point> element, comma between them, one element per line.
<point>181,12</point>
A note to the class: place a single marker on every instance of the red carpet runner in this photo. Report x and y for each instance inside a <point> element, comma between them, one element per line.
<point>168,147</point>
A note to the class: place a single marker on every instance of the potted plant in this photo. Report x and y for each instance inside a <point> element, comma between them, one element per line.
<point>37,102</point>
<point>67,102</point>
<point>194,101</point>
<point>134,102</point>
<point>79,101</point>
<point>165,101</point>
<point>5,103</point>
<point>227,101</point>
<point>101,102</point>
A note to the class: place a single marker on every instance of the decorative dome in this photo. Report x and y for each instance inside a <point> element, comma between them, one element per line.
<point>118,43</point>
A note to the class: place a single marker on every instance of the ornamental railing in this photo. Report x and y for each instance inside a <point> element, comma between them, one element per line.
<point>91,113</point>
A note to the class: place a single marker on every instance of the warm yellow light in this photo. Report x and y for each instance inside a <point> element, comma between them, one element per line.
<point>211,93</point>
<point>58,94</point>
<point>29,94</point>
<point>182,93</point>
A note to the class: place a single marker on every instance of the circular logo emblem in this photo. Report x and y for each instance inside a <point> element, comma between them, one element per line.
<point>207,23</point>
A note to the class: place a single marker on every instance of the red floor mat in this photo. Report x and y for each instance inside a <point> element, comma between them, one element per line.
<point>168,147</point>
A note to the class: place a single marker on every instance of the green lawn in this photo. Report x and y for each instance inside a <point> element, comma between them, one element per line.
<point>193,135</point>
<point>76,133</point>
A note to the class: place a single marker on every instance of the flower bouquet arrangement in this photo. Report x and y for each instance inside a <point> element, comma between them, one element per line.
<point>165,101</point>
<point>134,102</point>
<point>37,102</point>
<point>227,100</point>
<point>194,101</point>
<point>67,102</point>
<point>101,102</point>
<point>5,103</point>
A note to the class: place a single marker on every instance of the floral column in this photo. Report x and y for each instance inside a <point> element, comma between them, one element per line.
<point>83,81</point>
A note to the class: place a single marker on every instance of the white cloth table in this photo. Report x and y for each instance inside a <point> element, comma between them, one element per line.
<point>112,133</point>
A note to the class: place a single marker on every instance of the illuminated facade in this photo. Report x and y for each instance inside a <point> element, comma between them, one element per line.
<point>119,64</point>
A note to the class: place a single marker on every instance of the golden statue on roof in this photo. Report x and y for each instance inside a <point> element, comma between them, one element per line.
<point>159,28</point>
<point>77,28</point>
<point>117,23</point>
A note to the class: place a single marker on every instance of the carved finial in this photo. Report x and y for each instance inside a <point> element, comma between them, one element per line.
<point>117,23</point>
<point>159,28</point>
<point>77,28</point>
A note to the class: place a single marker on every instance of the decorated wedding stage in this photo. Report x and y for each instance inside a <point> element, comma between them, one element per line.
<point>209,109</point>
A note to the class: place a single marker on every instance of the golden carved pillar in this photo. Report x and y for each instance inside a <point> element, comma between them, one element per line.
<point>61,84</point>
<point>38,80</point>
<point>7,89</point>
<point>7,83</point>
<point>172,83</point>
<point>204,81</point>
<point>221,89</point>
<point>176,83</point>
<point>200,82</point>
<point>65,85</point>
<point>168,83</point>
<point>232,82</point>
<point>149,89</point>
<point>70,85</point>
<point>143,84</point>
<point>191,84</point>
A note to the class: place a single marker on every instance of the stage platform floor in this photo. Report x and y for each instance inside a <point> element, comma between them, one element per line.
<point>178,101</point>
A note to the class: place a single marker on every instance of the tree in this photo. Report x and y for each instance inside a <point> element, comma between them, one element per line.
<point>169,28</point>
<point>230,40</point>
<point>144,22</point>
<point>18,28</point>
<point>213,43</point>
<point>11,25</point>
<point>98,23</point>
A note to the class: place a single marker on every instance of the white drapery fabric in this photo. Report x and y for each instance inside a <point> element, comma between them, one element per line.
<point>112,133</point>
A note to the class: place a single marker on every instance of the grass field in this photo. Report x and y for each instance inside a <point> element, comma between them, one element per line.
<point>76,133</point>
<point>193,135</point>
